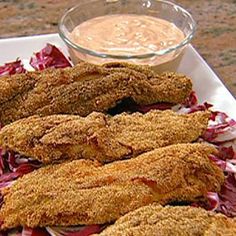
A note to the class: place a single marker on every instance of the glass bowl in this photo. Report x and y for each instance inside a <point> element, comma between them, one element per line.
<point>166,59</point>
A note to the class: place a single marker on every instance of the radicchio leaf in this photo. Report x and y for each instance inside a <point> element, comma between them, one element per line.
<point>213,201</point>
<point>6,184</point>
<point>158,106</point>
<point>34,232</point>
<point>226,152</point>
<point>227,196</point>
<point>75,231</point>
<point>221,128</point>
<point>201,107</point>
<point>219,162</point>
<point>49,57</point>
<point>225,200</point>
<point>18,172</point>
<point>87,230</point>
<point>2,166</point>
<point>191,100</point>
<point>11,68</point>
<point>14,166</point>
<point>226,166</point>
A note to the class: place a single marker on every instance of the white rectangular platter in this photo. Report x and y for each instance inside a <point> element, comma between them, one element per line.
<point>207,85</point>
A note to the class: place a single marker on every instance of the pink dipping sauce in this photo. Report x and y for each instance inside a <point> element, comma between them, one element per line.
<point>126,34</point>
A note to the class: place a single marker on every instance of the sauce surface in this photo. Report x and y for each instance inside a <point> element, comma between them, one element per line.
<point>126,34</point>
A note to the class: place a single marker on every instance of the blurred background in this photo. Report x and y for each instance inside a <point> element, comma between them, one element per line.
<point>215,38</point>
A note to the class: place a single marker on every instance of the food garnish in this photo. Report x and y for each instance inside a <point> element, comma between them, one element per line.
<point>11,68</point>
<point>49,57</point>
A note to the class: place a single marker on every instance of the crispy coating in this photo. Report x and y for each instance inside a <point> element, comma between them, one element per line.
<point>99,136</point>
<point>155,220</point>
<point>82,192</point>
<point>86,88</point>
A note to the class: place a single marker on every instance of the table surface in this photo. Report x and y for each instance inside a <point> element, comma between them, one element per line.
<point>215,38</point>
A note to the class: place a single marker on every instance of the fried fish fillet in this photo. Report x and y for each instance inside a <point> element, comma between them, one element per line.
<point>99,136</point>
<point>86,88</point>
<point>153,220</point>
<point>82,192</point>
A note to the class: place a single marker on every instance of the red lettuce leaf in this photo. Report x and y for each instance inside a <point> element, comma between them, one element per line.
<point>49,57</point>
<point>11,68</point>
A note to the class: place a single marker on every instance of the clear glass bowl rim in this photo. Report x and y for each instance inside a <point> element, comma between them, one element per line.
<point>186,40</point>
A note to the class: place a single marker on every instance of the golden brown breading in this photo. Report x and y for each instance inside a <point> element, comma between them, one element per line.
<point>82,192</point>
<point>100,137</point>
<point>86,88</point>
<point>156,220</point>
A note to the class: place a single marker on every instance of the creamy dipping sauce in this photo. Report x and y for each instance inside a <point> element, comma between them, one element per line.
<point>127,34</point>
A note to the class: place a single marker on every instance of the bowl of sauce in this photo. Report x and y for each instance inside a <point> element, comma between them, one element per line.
<point>146,32</point>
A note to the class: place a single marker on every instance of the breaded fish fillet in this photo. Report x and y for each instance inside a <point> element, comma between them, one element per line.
<point>82,192</point>
<point>99,136</point>
<point>156,220</point>
<point>86,88</point>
